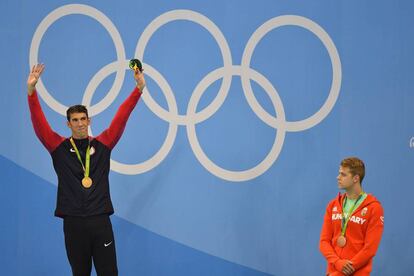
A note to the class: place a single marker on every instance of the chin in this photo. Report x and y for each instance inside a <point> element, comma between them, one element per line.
<point>82,135</point>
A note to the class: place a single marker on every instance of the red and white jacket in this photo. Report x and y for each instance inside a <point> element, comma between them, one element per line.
<point>363,235</point>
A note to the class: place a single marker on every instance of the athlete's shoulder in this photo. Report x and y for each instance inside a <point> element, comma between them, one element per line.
<point>336,201</point>
<point>372,200</point>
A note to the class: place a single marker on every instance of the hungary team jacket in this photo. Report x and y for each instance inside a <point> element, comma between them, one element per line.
<point>363,235</point>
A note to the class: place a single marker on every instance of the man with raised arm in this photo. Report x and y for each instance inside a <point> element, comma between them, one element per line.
<point>81,163</point>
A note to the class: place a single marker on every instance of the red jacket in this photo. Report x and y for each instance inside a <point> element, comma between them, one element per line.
<point>363,235</point>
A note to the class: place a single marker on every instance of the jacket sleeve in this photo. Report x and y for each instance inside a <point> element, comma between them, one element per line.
<point>44,132</point>
<point>325,240</point>
<point>372,237</point>
<point>113,133</point>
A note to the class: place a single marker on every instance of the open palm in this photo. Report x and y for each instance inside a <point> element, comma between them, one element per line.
<point>34,75</point>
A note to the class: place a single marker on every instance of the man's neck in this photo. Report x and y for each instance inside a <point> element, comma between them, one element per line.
<point>76,137</point>
<point>354,192</point>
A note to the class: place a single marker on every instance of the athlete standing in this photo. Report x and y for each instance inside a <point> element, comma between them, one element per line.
<point>81,163</point>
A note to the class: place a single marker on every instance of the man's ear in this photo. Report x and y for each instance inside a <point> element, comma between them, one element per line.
<point>356,178</point>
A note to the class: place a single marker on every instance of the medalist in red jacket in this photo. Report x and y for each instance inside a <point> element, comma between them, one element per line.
<point>363,235</point>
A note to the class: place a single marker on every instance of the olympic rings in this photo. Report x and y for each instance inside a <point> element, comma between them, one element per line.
<point>119,46</point>
<point>226,72</point>
<point>336,71</point>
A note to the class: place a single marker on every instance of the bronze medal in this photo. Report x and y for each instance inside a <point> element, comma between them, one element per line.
<point>87,182</point>
<point>341,241</point>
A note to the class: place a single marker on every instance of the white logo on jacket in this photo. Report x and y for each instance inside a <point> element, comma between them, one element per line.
<point>355,219</point>
<point>364,211</point>
<point>91,152</point>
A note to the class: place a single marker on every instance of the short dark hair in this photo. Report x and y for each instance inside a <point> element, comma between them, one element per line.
<point>76,109</point>
<point>356,166</point>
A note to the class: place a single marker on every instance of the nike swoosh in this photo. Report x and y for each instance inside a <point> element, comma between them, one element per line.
<point>107,244</point>
<point>72,150</point>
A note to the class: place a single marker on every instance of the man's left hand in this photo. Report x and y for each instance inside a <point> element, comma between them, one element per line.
<point>348,269</point>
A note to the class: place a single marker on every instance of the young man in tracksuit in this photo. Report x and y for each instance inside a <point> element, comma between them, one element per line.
<point>353,224</point>
<point>82,163</point>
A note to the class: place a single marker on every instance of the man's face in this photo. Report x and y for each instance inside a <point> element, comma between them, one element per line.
<point>79,123</point>
<point>345,178</point>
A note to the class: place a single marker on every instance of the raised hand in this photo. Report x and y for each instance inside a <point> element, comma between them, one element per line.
<point>34,76</point>
<point>140,80</point>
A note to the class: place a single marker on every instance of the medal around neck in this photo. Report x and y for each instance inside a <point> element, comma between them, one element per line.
<point>135,64</point>
<point>341,241</point>
<point>87,182</point>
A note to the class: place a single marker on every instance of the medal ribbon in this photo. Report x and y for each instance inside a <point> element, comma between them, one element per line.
<point>345,221</point>
<point>87,157</point>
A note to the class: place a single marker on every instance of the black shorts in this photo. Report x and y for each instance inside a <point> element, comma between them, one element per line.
<point>87,239</point>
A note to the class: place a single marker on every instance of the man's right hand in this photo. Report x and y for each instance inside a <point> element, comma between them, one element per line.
<point>34,76</point>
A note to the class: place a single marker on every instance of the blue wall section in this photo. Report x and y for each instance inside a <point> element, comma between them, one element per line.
<point>228,161</point>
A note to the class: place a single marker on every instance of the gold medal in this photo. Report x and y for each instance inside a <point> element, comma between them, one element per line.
<point>341,241</point>
<point>87,182</point>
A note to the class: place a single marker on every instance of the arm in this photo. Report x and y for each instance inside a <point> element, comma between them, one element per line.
<point>345,266</point>
<point>372,238</point>
<point>46,135</point>
<point>112,134</point>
